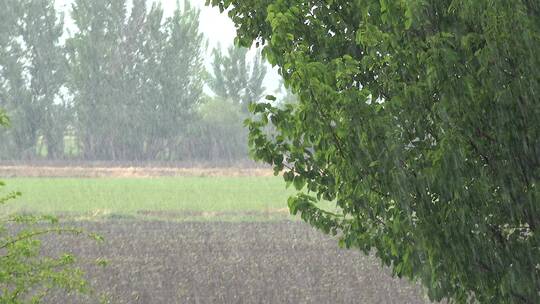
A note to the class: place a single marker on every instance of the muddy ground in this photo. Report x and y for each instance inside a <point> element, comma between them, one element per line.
<point>218,262</point>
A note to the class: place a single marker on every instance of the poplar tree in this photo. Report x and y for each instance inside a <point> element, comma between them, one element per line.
<point>31,75</point>
<point>136,78</point>
<point>236,78</point>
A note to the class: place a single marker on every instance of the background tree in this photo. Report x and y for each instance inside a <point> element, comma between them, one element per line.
<point>180,78</point>
<point>234,78</point>
<point>32,73</point>
<point>125,86</point>
<point>419,119</point>
<point>287,97</point>
<point>10,79</point>
<point>128,73</point>
<point>218,136</point>
<point>98,69</point>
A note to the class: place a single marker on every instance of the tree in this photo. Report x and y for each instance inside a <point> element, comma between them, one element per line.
<point>97,71</point>
<point>419,118</point>
<point>179,77</point>
<point>129,72</point>
<point>235,79</point>
<point>218,135</point>
<point>32,73</point>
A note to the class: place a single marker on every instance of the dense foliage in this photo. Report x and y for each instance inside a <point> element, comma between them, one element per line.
<point>420,119</point>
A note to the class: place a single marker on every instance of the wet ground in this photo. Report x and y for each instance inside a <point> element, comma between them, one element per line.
<point>217,262</point>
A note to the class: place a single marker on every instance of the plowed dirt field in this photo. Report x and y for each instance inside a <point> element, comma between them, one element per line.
<point>217,262</point>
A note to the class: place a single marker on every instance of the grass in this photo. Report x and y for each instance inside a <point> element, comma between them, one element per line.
<point>193,198</point>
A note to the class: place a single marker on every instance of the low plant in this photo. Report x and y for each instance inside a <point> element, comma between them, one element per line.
<point>26,274</point>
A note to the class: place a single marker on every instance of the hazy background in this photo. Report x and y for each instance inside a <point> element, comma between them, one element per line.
<point>127,81</point>
<point>216,26</point>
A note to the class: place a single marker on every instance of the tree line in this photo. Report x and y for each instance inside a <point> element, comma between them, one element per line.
<point>125,83</point>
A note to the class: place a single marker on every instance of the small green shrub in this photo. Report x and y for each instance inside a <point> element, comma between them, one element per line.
<point>26,275</point>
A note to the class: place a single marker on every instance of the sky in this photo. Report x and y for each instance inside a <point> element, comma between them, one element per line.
<point>216,26</point>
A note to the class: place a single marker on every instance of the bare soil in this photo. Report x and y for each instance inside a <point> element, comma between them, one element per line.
<point>218,262</point>
<point>7,171</point>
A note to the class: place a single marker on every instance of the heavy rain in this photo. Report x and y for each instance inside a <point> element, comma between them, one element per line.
<point>269,151</point>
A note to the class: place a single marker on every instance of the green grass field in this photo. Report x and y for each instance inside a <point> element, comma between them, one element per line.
<point>186,198</point>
